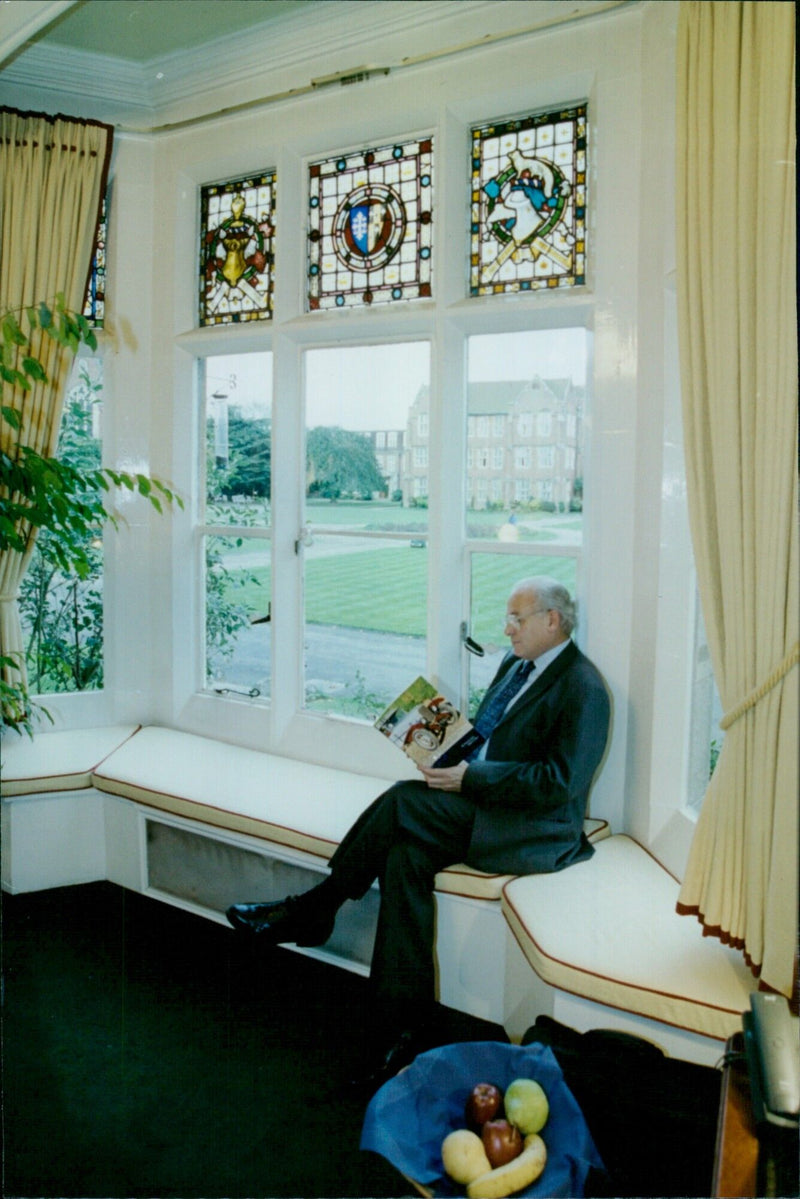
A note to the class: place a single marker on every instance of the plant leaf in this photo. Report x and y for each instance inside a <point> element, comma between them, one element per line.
<point>34,369</point>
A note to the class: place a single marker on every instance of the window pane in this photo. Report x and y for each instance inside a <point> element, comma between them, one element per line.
<point>365,595</point>
<point>365,622</point>
<point>94,306</point>
<point>526,399</point>
<point>370,236</point>
<point>61,614</point>
<point>238,589</point>
<point>237,226</point>
<point>238,439</point>
<point>493,577</point>
<point>528,227</point>
<point>363,409</point>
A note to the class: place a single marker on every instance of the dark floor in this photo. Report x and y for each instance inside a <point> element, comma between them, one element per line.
<point>148,1052</point>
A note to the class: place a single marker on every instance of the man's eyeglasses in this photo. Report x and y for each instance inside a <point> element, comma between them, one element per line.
<point>516,621</point>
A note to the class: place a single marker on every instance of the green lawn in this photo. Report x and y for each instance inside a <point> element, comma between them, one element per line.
<point>384,589</point>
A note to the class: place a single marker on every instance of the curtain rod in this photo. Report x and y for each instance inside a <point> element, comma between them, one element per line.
<point>354,75</point>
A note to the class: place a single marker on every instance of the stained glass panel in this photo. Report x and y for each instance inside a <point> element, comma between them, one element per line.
<point>528,218</point>
<point>371,226</point>
<point>94,308</point>
<point>237,226</point>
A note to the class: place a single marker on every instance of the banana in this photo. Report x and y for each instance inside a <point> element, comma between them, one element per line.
<point>514,1175</point>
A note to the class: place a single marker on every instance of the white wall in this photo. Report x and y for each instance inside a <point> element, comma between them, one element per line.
<point>637,572</point>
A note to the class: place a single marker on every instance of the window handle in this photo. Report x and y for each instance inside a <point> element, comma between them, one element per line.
<point>304,539</point>
<point>470,646</point>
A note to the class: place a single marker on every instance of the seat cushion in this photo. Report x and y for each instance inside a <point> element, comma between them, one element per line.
<point>292,803</point>
<point>606,929</point>
<point>58,761</point>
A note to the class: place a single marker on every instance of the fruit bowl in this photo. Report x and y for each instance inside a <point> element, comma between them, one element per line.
<point>409,1117</point>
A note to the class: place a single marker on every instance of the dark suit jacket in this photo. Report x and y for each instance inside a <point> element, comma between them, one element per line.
<point>532,789</point>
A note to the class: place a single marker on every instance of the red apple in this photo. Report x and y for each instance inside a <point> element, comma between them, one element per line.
<point>502,1142</point>
<point>485,1102</point>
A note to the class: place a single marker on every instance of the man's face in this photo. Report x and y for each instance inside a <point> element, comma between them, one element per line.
<point>530,628</point>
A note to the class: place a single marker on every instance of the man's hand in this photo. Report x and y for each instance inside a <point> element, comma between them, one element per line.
<point>446,778</point>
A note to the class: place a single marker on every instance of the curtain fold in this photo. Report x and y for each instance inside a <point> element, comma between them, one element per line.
<point>53,173</point>
<point>738,344</point>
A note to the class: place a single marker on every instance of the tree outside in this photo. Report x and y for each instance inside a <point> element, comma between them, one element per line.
<point>62,613</point>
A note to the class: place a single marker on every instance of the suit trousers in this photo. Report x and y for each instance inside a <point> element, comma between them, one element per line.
<point>403,839</point>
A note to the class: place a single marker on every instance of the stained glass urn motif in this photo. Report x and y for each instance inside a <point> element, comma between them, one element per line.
<point>237,227</point>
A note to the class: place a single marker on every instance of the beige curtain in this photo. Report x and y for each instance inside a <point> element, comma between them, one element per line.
<point>738,346</point>
<point>53,173</point>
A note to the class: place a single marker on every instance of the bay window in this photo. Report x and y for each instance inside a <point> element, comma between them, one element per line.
<point>418,446</point>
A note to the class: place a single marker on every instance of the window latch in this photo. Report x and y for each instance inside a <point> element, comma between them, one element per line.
<point>470,646</point>
<point>230,689</point>
<point>304,539</point>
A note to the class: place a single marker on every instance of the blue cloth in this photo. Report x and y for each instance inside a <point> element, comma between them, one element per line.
<point>493,710</point>
<point>409,1117</point>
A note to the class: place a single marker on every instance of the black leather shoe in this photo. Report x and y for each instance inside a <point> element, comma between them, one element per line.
<point>285,921</point>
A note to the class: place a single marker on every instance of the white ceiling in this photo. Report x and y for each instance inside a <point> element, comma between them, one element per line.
<point>141,30</point>
<point>146,64</point>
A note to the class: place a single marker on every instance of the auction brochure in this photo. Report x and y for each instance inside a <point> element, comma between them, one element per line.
<point>427,727</point>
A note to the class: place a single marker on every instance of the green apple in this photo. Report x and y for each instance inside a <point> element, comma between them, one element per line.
<point>526,1105</point>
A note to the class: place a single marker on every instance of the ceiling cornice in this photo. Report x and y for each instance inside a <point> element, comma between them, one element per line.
<point>80,73</point>
<point>23,20</point>
<point>268,62</point>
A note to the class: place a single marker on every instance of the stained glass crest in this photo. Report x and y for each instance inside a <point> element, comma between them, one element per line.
<point>528,218</point>
<point>370,235</point>
<point>237,228</point>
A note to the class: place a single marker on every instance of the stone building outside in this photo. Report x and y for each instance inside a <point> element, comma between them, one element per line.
<point>523,447</point>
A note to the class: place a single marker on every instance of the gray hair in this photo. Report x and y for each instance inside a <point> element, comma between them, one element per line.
<point>552,594</point>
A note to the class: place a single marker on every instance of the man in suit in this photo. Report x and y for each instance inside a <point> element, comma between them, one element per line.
<point>516,808</point>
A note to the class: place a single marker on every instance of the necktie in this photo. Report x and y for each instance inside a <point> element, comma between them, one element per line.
<point>492,713</point>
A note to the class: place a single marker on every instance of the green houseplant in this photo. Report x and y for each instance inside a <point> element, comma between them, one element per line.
<point>42,493</point>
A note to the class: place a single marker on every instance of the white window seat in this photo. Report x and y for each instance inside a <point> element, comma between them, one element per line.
<point>57,761</point>
<point>606,930</point>
<point>280,800</point>
<point>198,822</point>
